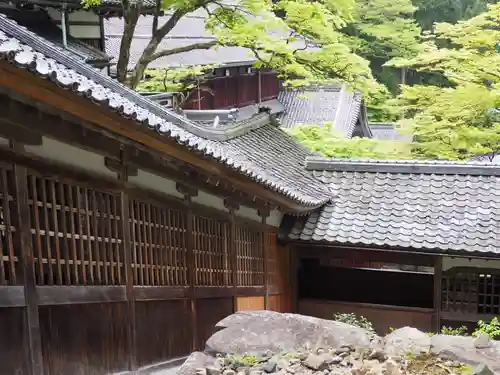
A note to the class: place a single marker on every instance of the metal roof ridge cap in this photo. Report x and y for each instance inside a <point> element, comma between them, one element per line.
<point>403,166</point>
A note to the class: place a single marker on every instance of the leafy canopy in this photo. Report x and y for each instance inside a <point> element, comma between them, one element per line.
<point>456,122</point>
<point>321,138</point>
<point>275,42</point>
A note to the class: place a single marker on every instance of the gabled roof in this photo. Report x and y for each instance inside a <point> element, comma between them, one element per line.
<point>319,105</point>
<point>387,132</point>
<point>433,206</point>
<point>253,150</point>
<point>40,23</point>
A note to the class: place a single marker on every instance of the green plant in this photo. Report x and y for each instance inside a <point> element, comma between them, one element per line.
<point>354,320</point>
<point>460,331</point>
<point>492,329</point>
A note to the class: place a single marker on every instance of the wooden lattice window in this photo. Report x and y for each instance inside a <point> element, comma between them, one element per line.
<point>10,255</point>
<point>471,290</point>
<point>211,251</point>
<point>249,256</point>
<point>158,236</point>
<point>76,234</point>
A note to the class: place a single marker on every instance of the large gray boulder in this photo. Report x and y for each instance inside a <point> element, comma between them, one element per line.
<point>259,331</point>
<point>407,339</point>
<point>466,350</point>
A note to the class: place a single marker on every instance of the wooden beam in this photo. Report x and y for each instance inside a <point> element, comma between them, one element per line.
<point>233,246</point>
<point>12,296</point>
<point>264,214</point>
<point>40,90</point>
<point>191,261</point>
<point>32,337</point>
<point>17,133</point>
<point>438,291</point>
<point>160,293</point>
<point>65,295</point>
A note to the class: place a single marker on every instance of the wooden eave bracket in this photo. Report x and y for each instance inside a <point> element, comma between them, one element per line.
<point>187,191</point>
<point>117,166</point>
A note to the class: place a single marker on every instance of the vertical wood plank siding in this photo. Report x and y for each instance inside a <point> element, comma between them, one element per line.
<point>111,287</point>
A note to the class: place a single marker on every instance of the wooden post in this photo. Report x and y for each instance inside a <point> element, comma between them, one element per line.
<point>438,277</point>
<point>32,337</point>
<point>123,172</point>
<point>264,214</point>
<point>232,207</point>
<point>189,193</point>
<point>294,267</point>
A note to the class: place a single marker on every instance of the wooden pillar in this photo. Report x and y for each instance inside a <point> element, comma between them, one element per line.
<point>294,268</point>
<point>123,171</point>
<point>232,207</point>
<point>264,214</point>
<point>189,193</point>
<point>32,338</point>
<point>438,278</point>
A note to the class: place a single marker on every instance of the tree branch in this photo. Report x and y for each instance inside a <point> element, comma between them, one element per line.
<point>130,18</point>
<point>177,50</point>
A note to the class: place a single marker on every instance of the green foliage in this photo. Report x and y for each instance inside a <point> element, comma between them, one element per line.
<point>181,79</point>
<point>460,331</point>
<point>492,329</point>
<point>236,361</point>
<point>322,139</point>
<point>456,122</point>
<point>354,320</point>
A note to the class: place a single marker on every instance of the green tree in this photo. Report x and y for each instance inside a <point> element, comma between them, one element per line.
<point>456,122</point>
<point>275,42</point>
<point>321,139</point>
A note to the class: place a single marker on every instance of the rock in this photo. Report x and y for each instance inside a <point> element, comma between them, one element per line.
<point>392,368</point>
<point>405,340</point>
<point>212,370</point>
<point>201,371</point>
<point>196,361</point>
<point>227,372</point>
<point>482,341</point>
<point>379,355</point>
<point>336,359</point>
<point>257,331</point>
<point>482,370</point>
<point>316,362</point>
<point>270,365</point>
<point>255,372</point>
<point>462,349</point>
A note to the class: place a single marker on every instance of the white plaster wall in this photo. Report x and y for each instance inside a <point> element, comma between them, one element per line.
<point>83,15</point>
<point>72,156</point>
<point>153,182</point>
<point>450,262</point>
<point>85,31</point>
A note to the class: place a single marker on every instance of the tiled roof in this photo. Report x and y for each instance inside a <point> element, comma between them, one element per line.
<point>317,106</point>
<point>435,206</point>
<point>245,149</point>
<point>77,4</point>
<point>40,23</point>
<point>387,132</point>
<point>189,29</point>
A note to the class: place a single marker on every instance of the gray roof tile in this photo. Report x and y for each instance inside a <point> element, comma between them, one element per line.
<point>251,150</point>
<point>436,206</point>
<point>387,132</point>
<point>316,106</point>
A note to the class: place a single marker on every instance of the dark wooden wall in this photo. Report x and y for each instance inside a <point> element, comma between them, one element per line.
<point>234,91</point>
<point>98,279</point>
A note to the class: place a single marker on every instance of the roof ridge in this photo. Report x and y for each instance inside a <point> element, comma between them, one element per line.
<point>440,167</point>
<point>24,35</point>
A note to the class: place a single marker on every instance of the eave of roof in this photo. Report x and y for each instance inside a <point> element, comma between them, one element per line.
<point>434,206</point>
<point>288,178</point>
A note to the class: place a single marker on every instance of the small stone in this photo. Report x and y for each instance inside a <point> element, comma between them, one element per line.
<point>343,355</point>
<point>290,370</point>
<point>482,341</point>
<point>294,361</point>
<point>270,365</point>
<point>283,363</point>
<point>316,362</point>
<point>227,372</point>
<point>212,370</point>
<point>255,372</point>
<point>201,371</point>
<point>342,350</point>
<point>482,370</point>
<point>302,356</point>
<point>243,372</point>
<point>377,354</point>
<point>336,359</point>
<point>392,368</point>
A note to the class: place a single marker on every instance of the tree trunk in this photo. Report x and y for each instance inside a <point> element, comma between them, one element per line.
<point>130,21</point>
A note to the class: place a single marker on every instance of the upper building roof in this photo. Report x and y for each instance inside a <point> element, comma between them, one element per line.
<point>38,21</point>
<point>253,149</point>
<point>387,132</point>
<point>319,105</point>
<point>434,206</point>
